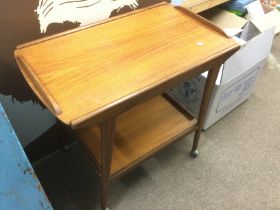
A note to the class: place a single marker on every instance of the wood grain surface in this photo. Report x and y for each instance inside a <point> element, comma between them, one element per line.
<point>197,6</point>
<point>139,133</point>
<point>96,69</point>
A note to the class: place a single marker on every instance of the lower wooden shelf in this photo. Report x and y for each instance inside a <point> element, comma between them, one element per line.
<point>140,132</point>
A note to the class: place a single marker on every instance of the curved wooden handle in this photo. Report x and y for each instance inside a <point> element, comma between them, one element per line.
<point>44,95</point>
<point>201,19</point>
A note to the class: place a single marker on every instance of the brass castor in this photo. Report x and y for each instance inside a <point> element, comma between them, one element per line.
<point>66,148</point>
<point>194,153</point>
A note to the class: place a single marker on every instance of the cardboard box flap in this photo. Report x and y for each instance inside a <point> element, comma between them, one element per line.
<point>255,10</point>
<point>230,23</point>
<point>269,20</point>
<point>261,20</point>
<point>255,50</point>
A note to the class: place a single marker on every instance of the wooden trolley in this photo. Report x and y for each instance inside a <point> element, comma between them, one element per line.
<point>106,81</point>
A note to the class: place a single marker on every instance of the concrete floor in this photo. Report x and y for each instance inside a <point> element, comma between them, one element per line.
<point>238,166</point>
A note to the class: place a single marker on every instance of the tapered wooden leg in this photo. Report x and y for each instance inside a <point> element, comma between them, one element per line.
<point>210,82</point>
<point>107,138</point>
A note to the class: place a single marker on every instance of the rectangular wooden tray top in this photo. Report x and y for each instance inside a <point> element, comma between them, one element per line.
<point>87,73</point>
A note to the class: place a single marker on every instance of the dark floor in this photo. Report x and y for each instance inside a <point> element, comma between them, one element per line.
<point>238,166</point>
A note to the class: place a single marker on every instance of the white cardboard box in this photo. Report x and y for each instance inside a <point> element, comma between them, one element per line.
<point>225,98</point>
<point>263,17</point>
<point>237,75</point>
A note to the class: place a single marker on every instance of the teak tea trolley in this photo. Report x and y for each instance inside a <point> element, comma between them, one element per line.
<point>106,81</point>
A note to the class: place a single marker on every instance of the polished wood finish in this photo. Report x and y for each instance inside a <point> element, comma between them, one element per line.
<point>140,132</point>
<point>202,20</point>
<point>37,85</point>
<point>106,82</point>
<point>200,7</point>
<point>107,140</point>
<point>214,3</point>
<point>191,3</point>
<point>64,33</point>
<point>135,54</point>
<point>197,6</point>
<point>209,85</point>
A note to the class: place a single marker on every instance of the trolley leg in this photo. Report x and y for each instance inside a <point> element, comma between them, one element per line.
<point>210,82</point>
<point>107,141</point>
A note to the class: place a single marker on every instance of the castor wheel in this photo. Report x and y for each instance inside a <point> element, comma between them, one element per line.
<point>107,208</point>
<point>194,153</point>
<point>66,148</point>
